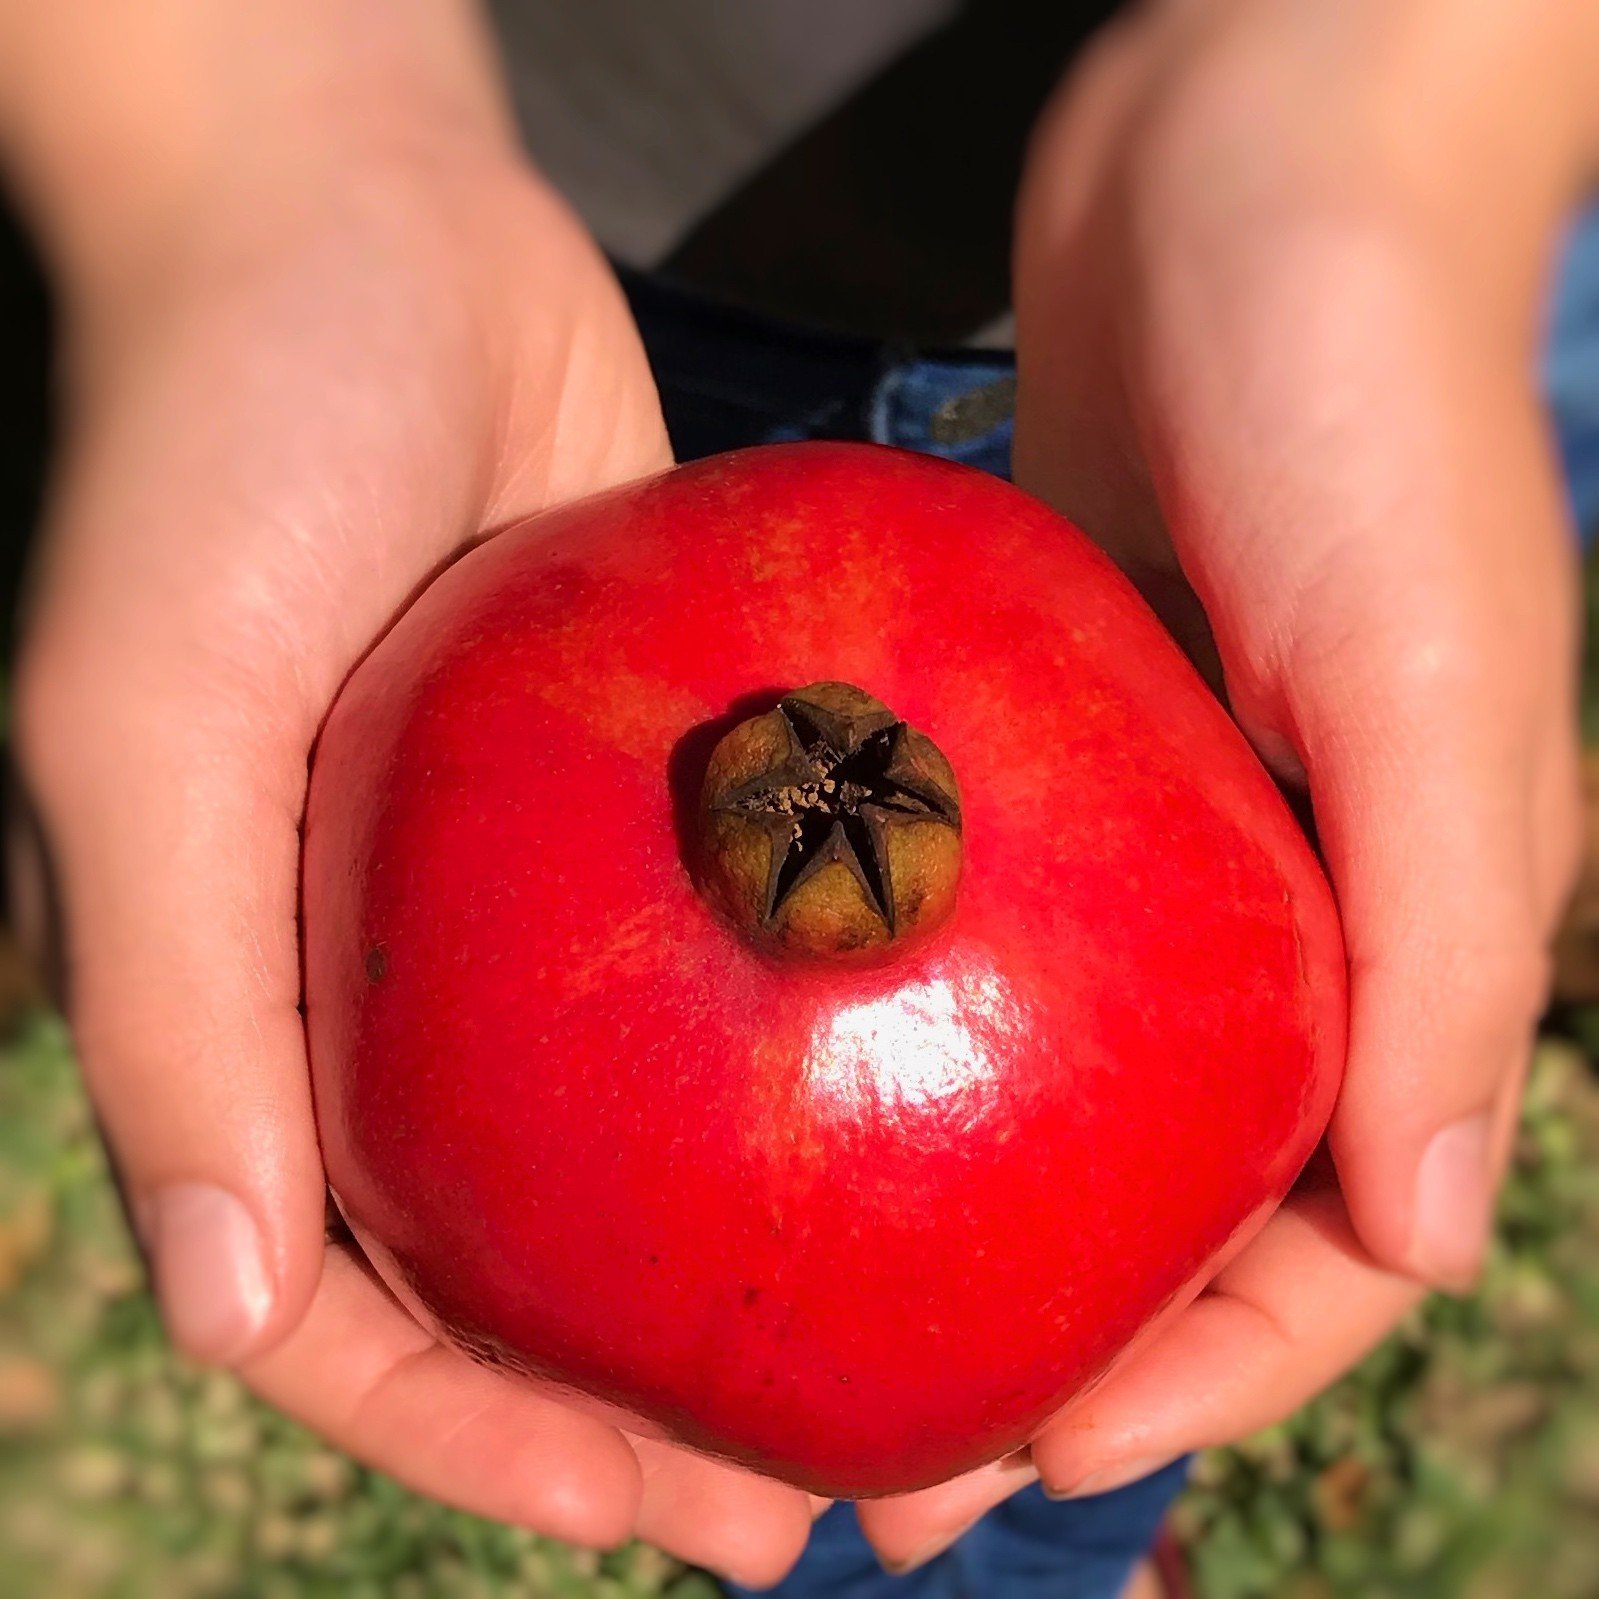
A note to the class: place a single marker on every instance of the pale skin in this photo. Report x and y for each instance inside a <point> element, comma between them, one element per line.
<point>325,326</point>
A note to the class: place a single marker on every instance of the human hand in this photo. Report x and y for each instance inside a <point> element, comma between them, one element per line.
<point>296,387</point>
<point>1278,284</point>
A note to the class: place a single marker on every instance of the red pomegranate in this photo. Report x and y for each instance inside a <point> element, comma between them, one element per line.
<point>795,954</point>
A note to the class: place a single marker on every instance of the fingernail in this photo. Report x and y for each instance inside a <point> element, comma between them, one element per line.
<point>210,1270</point>
<point>1454,1204</point>
<point>930,1550</point>
<point>1109,1478</point>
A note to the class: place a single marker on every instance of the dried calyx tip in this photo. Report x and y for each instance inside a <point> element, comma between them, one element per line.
<point>829,827</point>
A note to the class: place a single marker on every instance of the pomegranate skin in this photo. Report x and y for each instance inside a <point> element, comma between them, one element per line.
<point>858,1229</point>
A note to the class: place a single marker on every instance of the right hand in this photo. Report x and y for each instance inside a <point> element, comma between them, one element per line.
<point>289,407</point>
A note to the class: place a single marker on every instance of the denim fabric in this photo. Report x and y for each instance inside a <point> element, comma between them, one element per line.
<point>1571,370</point>
<point>729,379</point>
<point>1029,1547</point>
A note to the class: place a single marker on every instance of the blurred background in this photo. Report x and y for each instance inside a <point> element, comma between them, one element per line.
<point>1460,1462</point>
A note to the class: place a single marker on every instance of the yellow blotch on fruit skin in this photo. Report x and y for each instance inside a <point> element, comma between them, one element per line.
<point>798,593</point>
<point>644,716</point>
<point>626,951</point>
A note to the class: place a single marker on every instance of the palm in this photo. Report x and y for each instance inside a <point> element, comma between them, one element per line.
<point>258,485</point>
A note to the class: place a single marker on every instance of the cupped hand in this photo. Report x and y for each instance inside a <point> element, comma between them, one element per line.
<point>1279,276</point>
<point>304,402</point>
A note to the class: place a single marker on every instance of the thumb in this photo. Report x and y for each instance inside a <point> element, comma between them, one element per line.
<point>1391,585</point>
<point>168,798</point>
<point>183,986</point>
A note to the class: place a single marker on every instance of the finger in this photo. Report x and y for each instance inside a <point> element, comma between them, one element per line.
<point>908,1530</point>
<point>186,637</point>
<point>183,984</point>
<point>1291,1314</point>
<point>1435,856</point>
<point>1359,484</point>
<point>359,1371</point>
<point>709,1514</point>
<point>1442,770</point>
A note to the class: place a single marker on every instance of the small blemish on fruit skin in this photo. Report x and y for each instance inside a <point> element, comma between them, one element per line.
<point>654,1260</point>
<point>377,963</point>
<point>751,1297</point>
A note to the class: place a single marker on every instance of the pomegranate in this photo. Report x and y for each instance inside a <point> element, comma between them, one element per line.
<point>797,957</point>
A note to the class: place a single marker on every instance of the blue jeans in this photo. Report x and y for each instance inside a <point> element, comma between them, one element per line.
<point>728,379</point>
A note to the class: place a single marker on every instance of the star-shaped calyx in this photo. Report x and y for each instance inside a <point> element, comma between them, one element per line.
<point>830,826</point>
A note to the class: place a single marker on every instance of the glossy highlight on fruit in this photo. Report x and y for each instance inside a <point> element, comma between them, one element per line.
<point>858,1223</point>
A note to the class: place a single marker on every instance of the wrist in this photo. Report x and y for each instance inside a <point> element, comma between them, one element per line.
<point>124,130</point>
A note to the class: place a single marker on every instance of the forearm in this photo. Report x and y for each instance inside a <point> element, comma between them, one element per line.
<point>120,118</point>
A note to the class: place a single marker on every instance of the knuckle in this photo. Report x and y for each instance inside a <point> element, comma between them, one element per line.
<point>1423,667</point>
<point>1474,1000</point>
<point>1503,990</point>
<point>1355,639</point>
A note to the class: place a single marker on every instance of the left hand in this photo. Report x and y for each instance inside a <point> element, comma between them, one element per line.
<point>1279,274</point>
<point>326,331</point>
